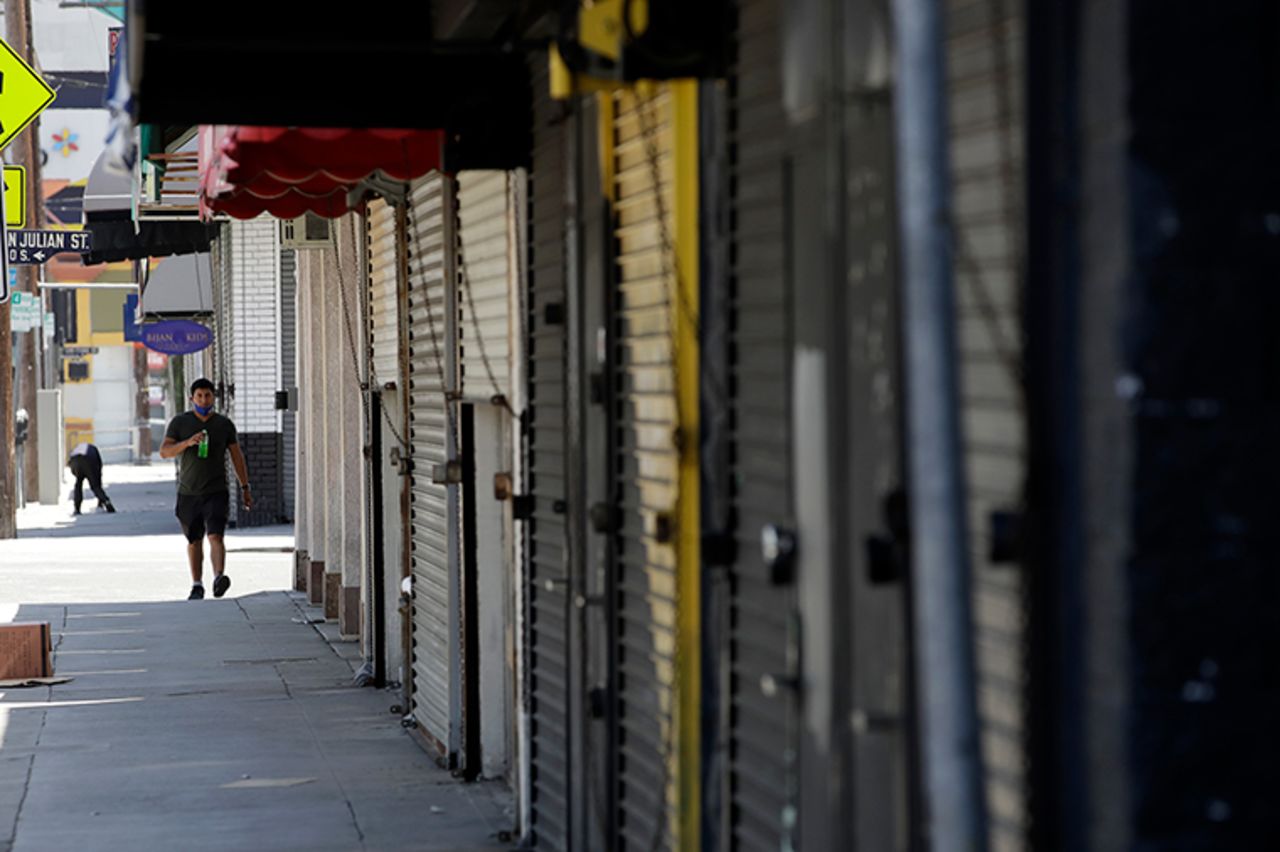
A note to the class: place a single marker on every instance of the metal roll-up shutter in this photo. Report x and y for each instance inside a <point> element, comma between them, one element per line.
<point>384,318</point>
<point>546,597</point>
<point>985,67</point>
<point>432,340</point>
<point>484,207</point>
<point>646,468</point>
<point>760,784</point>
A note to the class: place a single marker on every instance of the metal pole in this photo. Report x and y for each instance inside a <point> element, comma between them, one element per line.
<point>26,152</point>
<point>955,814</point>
<point>8,461</point>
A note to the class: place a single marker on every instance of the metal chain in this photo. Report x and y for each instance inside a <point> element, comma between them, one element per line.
<point>671,276</point>
<point>498,396</point>
<point>1008,352</point>
<point>445,390</point>
<point>374,383</point>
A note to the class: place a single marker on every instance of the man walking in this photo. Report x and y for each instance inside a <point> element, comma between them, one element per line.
<point>86,463</point>
<point>201,440</point>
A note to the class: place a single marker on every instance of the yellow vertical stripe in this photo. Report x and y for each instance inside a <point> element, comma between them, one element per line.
<point>684,103</point>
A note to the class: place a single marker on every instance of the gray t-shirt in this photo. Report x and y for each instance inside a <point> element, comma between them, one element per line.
<point>207,475</point>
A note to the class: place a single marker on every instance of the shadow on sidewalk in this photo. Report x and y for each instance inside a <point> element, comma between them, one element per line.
<point>142,508</point>
<point>220,724</point>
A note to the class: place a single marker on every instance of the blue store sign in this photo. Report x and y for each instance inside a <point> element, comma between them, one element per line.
<point>176,337</point>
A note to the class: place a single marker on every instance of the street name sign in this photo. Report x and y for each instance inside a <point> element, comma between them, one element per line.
<point>23,95</point>
<point>15,196</point>
<point>32,248</point>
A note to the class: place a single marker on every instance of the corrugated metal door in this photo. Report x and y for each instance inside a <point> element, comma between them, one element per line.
<point>646,469</point>
<point>484,202</point>
<point>546,597</point>
<point>386,341</point>
<point>985,69</point>
<point>384,316</point>
<point>761,784</point>
<point>433,440</point>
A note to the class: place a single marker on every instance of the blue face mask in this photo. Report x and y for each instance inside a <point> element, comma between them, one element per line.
<point>202,410</point>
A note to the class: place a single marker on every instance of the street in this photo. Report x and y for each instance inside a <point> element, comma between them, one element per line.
<point>217,724</point>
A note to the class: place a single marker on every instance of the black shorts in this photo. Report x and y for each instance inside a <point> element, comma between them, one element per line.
<point>203,514</point>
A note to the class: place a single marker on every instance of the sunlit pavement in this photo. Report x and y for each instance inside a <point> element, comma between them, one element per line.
<point>215,724</point>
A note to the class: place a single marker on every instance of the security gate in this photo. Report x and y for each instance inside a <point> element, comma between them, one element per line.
<point>986,71</point>
<point>762,784</point>
<point>484,232</point>
<point>386,317</point>
<point>654,434</point>
<point>435,474</point>
<point>546,598</point>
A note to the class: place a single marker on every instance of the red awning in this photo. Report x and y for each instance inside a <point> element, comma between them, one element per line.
<point>288,171</point>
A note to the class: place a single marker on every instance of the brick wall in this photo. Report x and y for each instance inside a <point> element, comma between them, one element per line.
<point>289,372</point>
<point>249,360</point>
<point>263,453</point>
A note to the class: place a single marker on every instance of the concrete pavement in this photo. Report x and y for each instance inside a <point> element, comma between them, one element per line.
<point>206,725</point>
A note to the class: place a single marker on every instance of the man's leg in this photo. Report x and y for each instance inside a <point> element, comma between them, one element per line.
<point>216,521</point>
<point>217,554</point>
<point>195,556</point>
<point>78,495</point>
<point>95,483</point>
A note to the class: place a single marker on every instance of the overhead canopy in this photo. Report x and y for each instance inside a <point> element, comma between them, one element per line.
<point>124,239</point>
<point>108,215</point>
<point>289,171</point>
<point>108,193</point>
<point>179,287</point>
<point>286,64</point>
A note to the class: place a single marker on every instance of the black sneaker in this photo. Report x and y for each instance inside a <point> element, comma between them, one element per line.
<point>110,509</point>
<point>197,593</point>
<point>220,585</point>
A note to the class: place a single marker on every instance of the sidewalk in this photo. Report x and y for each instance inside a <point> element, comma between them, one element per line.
<point>207,725</point>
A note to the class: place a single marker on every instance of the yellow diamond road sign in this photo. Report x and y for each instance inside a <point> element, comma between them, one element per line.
<point>15,196</point>
<point>23,95</point>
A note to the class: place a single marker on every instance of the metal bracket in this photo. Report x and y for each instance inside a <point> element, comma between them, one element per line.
<point>403,463</point>
<point>447,473</point>
<point>664,527</point>
<point>1006,536</point>
<point>604,517</point>
<point>502,486</point>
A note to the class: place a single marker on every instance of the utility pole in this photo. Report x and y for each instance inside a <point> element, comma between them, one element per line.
<point>8,461</point>
<point>26,152</point>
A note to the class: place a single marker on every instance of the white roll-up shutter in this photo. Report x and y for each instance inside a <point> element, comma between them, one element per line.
<point>384,320</point>
<point>484,210</point>
<point>985,67</point>
<point>433,508</point>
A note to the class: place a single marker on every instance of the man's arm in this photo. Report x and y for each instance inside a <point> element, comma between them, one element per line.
<point>173,447</point>
<point>242,474</point>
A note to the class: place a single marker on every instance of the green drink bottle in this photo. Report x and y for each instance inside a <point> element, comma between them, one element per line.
<point>202,449</point>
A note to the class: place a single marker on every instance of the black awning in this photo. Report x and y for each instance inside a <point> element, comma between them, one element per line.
<point>253,63</point>
<point>116,239</point>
